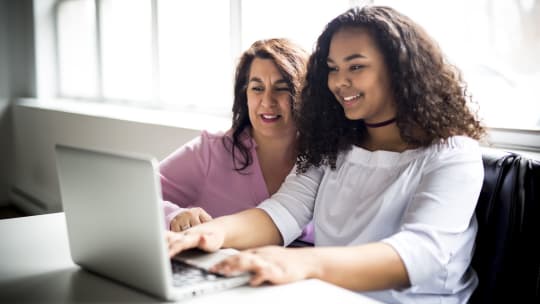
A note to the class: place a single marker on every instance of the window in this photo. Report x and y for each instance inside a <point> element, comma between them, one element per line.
<point>169,53</point>
<point>299,20</point>
<point>181,54</point>
<point>77,49</point>
<point>126,50</point>
<point>195,58</point>
<point>496,46</point>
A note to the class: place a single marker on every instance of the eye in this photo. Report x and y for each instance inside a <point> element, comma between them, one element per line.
<point>257,89</point>
<point>332,69</point>
<point>283,89</point>
<point>357,67</point>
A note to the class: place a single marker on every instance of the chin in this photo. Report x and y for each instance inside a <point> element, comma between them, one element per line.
<point>352,116</point>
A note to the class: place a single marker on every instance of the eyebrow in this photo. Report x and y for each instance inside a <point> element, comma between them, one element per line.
<point>257,79</point>
<point>348,58</point>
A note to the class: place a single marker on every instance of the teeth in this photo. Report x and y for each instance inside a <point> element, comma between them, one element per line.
<point>349,98</point>
<point>269,116</point>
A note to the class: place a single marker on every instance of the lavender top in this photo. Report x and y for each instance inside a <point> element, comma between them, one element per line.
<point>201,174</point>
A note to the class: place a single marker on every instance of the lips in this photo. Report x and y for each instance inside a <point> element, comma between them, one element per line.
<point>270,117</point>
<point>350,100</point>
<point>351,97</point>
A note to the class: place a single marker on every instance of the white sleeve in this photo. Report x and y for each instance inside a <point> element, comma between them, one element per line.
<point>438,229</point>
<point>291,208</point>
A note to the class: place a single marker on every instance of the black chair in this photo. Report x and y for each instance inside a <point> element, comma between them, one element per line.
<point>507,254</point>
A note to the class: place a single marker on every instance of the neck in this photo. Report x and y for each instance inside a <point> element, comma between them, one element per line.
<point>282,150</point>
<point>385,138</point>
<point>380,124</point>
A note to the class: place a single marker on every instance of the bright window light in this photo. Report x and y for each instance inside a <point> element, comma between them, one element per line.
<point>496,45</point>
<point>77,49</point>
<point>195,54</point>
<point>300,20</point>
<point>126,44</point>
<point>186,56</point>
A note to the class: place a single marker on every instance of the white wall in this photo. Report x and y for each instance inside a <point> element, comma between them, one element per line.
<point>37,129</point>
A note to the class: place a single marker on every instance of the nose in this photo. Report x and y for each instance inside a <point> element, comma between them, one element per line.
<point>340,79</point>
<point>268,99</point>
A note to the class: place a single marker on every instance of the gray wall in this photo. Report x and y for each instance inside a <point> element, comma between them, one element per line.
<point>29,131</point>
<point>16,77</point>
<point>38,129</point>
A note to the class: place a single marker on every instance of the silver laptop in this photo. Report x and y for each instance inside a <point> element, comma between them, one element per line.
<point>115,222</point>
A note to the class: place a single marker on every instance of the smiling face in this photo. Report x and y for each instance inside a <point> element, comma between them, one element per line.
<point>269,101</point>
<point>358,76</point>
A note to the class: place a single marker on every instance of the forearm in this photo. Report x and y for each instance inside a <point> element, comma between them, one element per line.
<point>247,229</point>
<point>368,267</point>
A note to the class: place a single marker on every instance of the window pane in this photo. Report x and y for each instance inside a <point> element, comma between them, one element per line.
<point>126,43</point>
<point>300,20</point>
<point>77,48</point>
<point>496,45</point>
<point>194,53</point>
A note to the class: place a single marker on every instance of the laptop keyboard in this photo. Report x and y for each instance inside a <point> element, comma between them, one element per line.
<point>184,274</point>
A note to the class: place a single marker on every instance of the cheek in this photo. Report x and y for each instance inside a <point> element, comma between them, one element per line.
<point>285,105</point>
<point>252,111</point>
<point>251,103</point>
<point>383,80</point>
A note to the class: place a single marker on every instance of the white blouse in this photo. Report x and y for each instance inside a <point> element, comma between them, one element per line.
<point>421,202</point>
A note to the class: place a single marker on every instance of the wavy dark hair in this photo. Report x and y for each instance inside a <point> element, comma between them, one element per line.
<point>431,96</point>
<point>291,61</point>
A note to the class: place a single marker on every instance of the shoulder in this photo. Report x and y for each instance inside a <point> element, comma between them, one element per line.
<point>199,146</point>
<point>211,140</point>
<point>458,143</point>
<point>455,152</point>
<point>456,146</point>
<point>219,145</point>
<point>212,137</point>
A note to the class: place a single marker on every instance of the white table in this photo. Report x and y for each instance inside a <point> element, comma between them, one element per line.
<point>36,266</point>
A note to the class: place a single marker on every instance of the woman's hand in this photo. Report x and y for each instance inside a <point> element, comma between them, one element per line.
<point>273,264</point>
<point>189,218</point>
<point>196,237</point>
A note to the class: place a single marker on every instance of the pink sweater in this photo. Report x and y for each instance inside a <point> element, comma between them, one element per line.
<point>201,174</point>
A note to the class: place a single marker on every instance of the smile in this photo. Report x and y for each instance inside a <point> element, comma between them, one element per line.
<point>269,117</point>
<point>351,98</point>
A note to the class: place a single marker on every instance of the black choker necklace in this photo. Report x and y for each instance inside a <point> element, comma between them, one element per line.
<point>380,124</point>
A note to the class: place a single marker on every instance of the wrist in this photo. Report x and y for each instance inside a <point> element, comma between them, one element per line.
<point>311,260</point>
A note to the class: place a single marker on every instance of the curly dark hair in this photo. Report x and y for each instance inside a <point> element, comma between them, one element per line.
<point>431,96</point>
<point>290,60</point>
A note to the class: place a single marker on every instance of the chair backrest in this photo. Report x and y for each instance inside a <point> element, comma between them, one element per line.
<point>507,255</point>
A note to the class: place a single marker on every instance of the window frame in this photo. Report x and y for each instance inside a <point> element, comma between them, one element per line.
<point>46,30</point>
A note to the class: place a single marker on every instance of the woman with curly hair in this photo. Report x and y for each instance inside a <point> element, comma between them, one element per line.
<point>389,169</point>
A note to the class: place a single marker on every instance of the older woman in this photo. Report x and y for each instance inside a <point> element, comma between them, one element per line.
<point>220,174</point>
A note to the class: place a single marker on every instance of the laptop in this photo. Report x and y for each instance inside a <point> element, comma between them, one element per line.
<point>116,228</point>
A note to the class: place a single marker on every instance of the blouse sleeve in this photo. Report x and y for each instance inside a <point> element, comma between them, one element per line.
<point>437,234</point>
<point>291,208</point>
<point>183,174</point>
